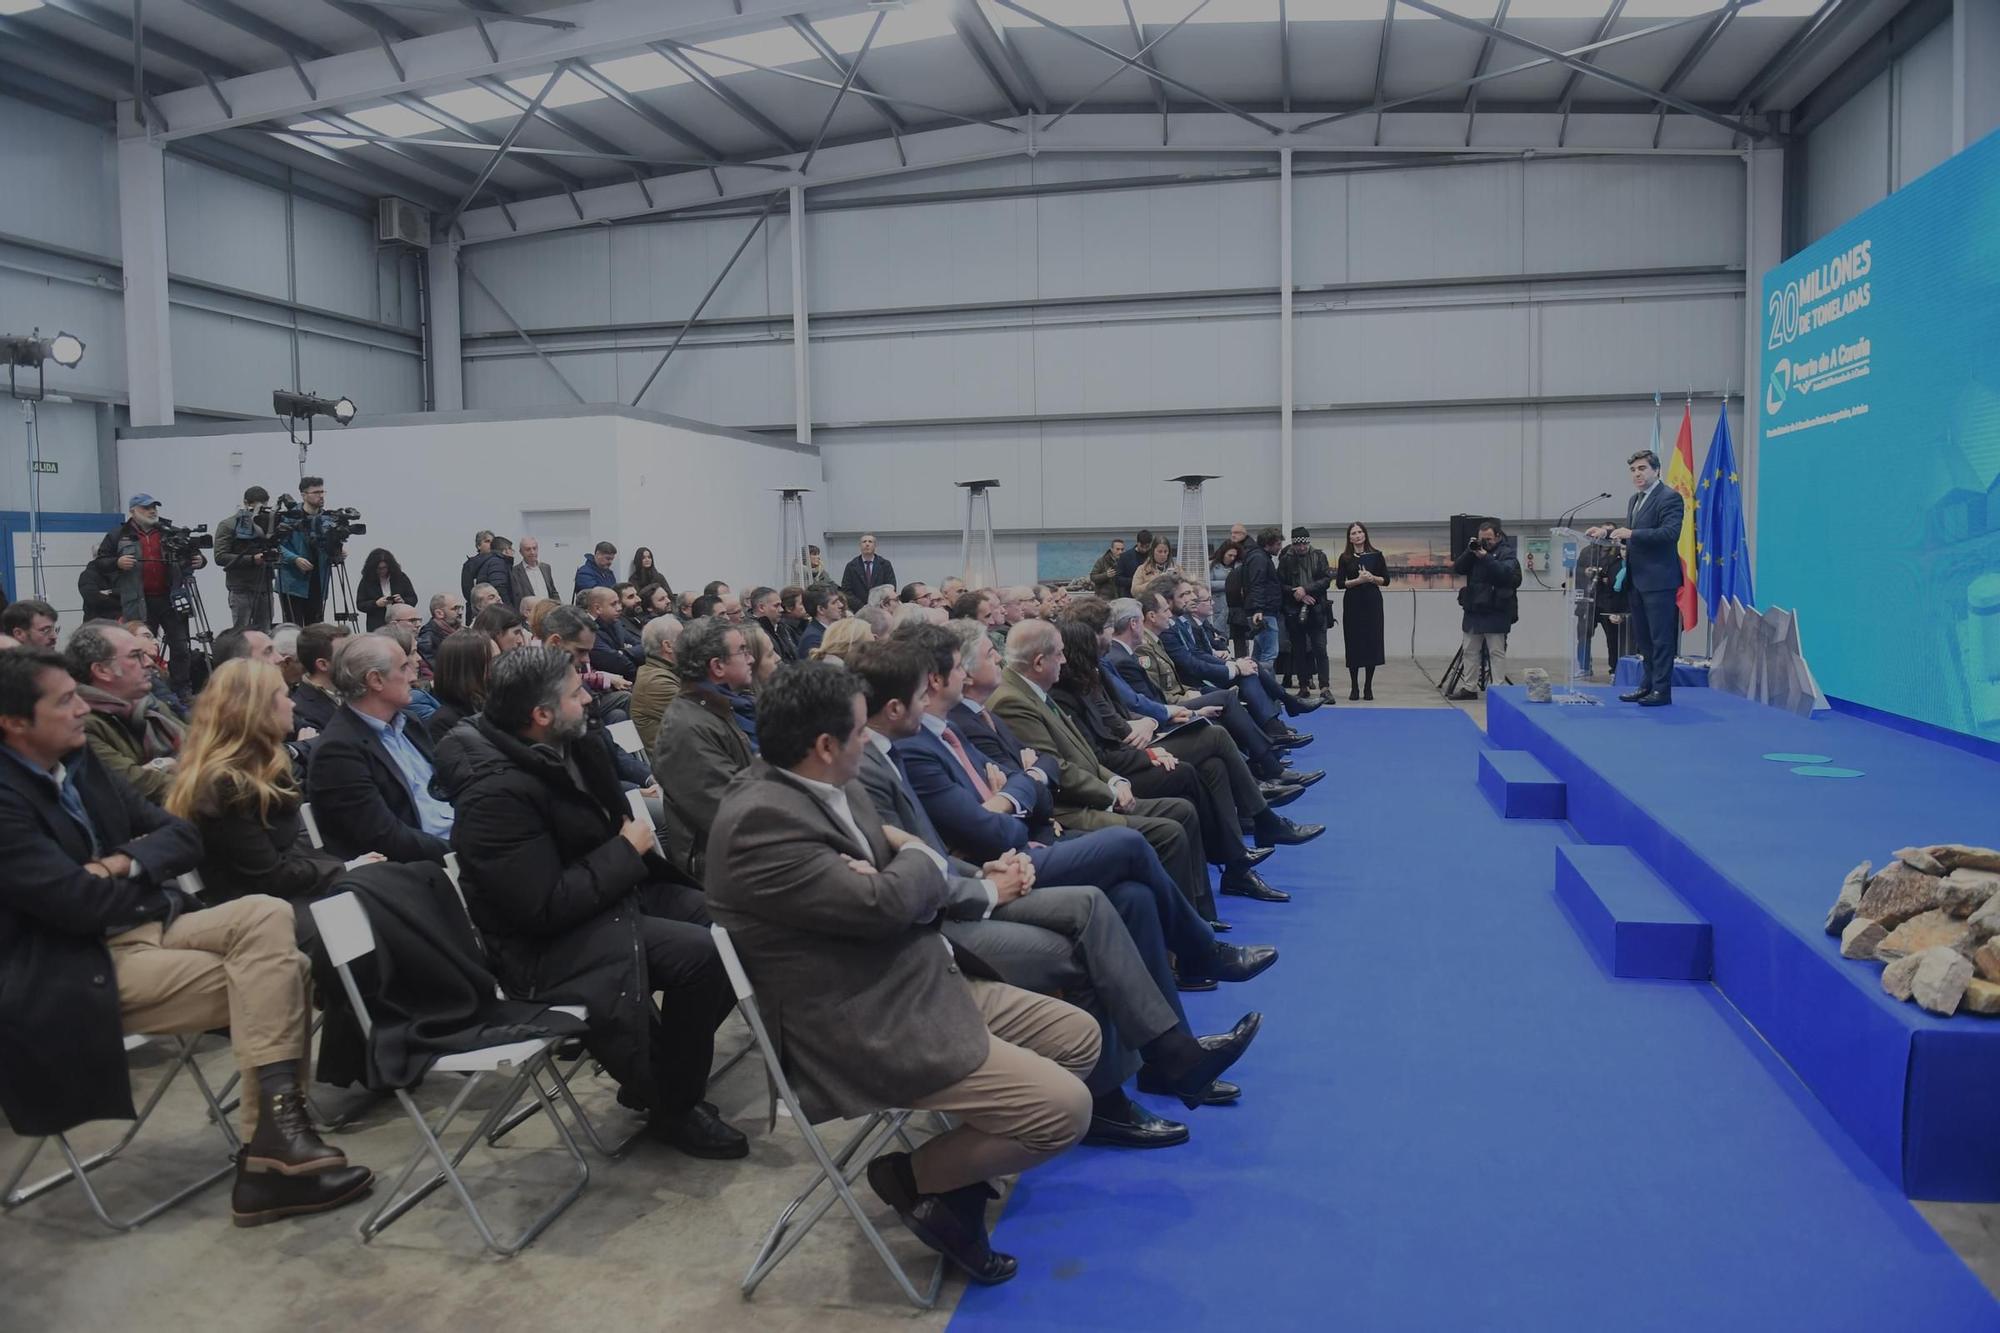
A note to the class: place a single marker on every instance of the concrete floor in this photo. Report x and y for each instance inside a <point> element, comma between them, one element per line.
<point>657,1240</point>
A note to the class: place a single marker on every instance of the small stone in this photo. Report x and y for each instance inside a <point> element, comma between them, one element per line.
<point>1966,891</point>
<point>1896,977</point>
<point>1920,858</point>
<point>1861,938</point>
<point>1981,997</point>
<point>1899,893</point>
<point>1985,923</point>
<point>1986,960</point>
<point>1957,856</point>
<point>1851,890</point>
<point>1941,980</point>
<point>1935,929</point>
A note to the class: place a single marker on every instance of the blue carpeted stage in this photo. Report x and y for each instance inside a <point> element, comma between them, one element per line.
<point>1457,1119</point>
<point>1760,851</point>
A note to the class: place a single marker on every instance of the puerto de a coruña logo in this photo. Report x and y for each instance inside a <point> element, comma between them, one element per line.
<point>1779,387</point>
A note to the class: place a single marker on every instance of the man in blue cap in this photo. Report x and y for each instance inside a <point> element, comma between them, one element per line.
<point>135,565</point>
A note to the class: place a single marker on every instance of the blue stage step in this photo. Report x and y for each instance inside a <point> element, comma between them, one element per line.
<point>1518,785</point>
<point>1630,918</point>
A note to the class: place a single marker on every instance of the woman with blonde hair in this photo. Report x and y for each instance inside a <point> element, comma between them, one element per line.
<point>842,638</point>
<point>532,610</point>
<point>235,784</point>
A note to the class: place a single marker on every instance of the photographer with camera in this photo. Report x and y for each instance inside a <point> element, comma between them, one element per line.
<point>315,543</point>
<point>245,549</point>
<point>144,561</point>
<point>1492,573</point>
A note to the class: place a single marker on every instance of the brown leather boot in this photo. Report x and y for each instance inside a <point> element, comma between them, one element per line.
<point>266,1196</point>
<point>285,1141</point>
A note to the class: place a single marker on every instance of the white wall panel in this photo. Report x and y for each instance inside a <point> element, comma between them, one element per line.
<point>1408,466</point>
<point>239,363</point>
<point>1923,105</point>
<point>560,280</point>
<point>920,255</point>
<point>1396,355</point>
<point>657,273</point>
<point>380,381</point>
<point>336,261</point>
<point>730,386</point>
<point>1603,216</point>
<point>60,180</point>
<point>94,314</point>
<point>224,229</point>
<point>1319,230</point>
<point>69,435</point>
<point>1624,346</point>
<point>1434,222</point>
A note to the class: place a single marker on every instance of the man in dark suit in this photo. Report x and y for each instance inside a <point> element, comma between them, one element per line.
<point>1652,535</point>
<point>1092,953</point>
<point>1203,664</point>
<point>370,778</point>
<point>96,941</point>
<point>866,571</point>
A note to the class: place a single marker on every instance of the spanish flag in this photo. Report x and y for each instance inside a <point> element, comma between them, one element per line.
<point>1680,476</point>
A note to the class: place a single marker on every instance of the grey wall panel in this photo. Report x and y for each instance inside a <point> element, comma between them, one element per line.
<point>1923,104</point>
<point>1641,346</point>
<point>378,380</point>
<point>224,229</point>
<point>921,255</point>
<point>1584,447</point>
<point>1410,466</point>
<point>1165,239</point>
<point>1319,230</point>
<point>1435,223</point>
<point>61,179</point>
<point>1603,216</point>
<point>731,386</point>
<point>526,382</point>
<point>1396,355</point>
<point>336,260</point>
<point>1847,160</point>
<point>96,315</point>
<point>69,433</point>
<point>1114,473</point>
<point>1178,366</point>
<point>970,374</point>
<point>239,362</point>
<point>658,273</point>
<point>559,280</point>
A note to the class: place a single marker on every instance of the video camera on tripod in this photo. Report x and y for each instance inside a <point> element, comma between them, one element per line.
<point>291,516</point>
<point>178,545</point>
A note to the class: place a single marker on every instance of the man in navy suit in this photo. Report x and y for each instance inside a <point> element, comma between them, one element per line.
<point>1652,535</point>
<point>864,572</point>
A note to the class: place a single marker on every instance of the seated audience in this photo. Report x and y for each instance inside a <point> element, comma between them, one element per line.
<point>285,642</point>
<point>314,699</point>
<point>792,619</point>
<point>233,643</point>
<point>405,618</point>
<point>532,611</point>
<point>503,625</point>
<point>705,739</point>
<point>837,919</point>
<point>1201,661</point>
<point>447,617</point>
<point>162,683</point>
<point>631,608</point>
<point>383,584</point>
<point>460,683</point>
<point>575,904</point>
<point>704,606</point>
<point>950,590</point>
<point>89,896</point>
<point>728,607</point>
<point>235,785</point>
<point>840,642</point>
<point>768,612</point>
<point>616,649</point>
<point>31,622</point>
<point>877,618</point>
<point>133,735</point>
<point>764,661</point>
<point>483,596</point>
<point>823,607</point>
<point>370,779</point>
<point>657,682</point>
<point>656,600</point>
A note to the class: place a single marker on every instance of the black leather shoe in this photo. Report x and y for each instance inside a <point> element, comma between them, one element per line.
<point>700,1132</point>
<point>1256,856</point>
<point>1278,831</point>
<point>1220,1092</point>
<point>1292,777</point>
<point>1296,704</point>
<point>1142,1129</point>
<point>1239,962</point>
<point>267,1196</point>
<point>285,1141</point>
<point>1656,701</point>
<point>1635,696</point>
<point>1248,883</point>
<point>1220,927</point>
<point>1191,983</point>
<point>933,1219</point>
<point>1293,740</point>
<point>1218,1053</point>
<point>1276,794</point>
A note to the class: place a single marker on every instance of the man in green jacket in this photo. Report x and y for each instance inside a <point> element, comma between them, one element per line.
<point>130,732</point>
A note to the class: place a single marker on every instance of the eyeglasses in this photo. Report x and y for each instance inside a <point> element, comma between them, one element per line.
<point>745,651</point>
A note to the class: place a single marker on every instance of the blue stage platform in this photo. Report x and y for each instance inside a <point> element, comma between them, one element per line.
<point>1457,1119</point>
<point>1759,851</point>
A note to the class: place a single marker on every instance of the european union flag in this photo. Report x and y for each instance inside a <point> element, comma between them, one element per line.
<point>1722,558</point>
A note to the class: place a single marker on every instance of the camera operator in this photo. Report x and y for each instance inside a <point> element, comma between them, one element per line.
<point>1492,573</point>
<point>314,543</point>
<point>244,549</point>
<point>144,560</point>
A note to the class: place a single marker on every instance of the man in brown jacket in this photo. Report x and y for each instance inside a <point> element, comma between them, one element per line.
<point>702,744</point>
<point>658,682</point>
<point>836,919</point>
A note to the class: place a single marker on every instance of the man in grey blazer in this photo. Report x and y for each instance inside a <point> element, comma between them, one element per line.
<point>1652,535</point>
<point>837,920</point>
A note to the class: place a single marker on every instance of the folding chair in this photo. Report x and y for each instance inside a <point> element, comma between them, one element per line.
<point>837,1170</point>
<point>312,825</point>
<point>348,935</point>
<point>14,1195</point>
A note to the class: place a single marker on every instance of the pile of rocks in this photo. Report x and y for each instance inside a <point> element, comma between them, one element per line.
<point>1933,915</point>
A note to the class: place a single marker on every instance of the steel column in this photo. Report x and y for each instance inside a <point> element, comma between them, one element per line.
<point>1285,444</point>
<point>444,332</point>
<point>142,238</point>
<point>801,337</point>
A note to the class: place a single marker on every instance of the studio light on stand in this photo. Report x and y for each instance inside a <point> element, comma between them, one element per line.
<point>292,408</point>
<point>34,352</point>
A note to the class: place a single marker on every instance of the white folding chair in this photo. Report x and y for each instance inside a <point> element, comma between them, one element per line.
<point>312,825</point>
<point>837,1170</point>
<point>345,929</point>
<point>15,1194</point>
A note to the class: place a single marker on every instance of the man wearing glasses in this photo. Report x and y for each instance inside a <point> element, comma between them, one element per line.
<point>130,731</point>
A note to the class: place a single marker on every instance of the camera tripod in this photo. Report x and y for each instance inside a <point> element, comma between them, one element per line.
<point>1454,675</point>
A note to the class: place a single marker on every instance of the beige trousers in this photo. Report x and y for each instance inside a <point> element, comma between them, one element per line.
<point>1025,1104</point>
<point>236,966</point>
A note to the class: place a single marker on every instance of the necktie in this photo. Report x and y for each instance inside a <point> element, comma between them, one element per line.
<point>868,569</point>
<point>72,804</point>
<point>957,748</point>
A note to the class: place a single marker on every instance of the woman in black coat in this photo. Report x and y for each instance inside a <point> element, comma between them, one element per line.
<point>645,574</point>
<point>1361,575</point>
<point>234,782</point>
<point>459,684</point>
<point>383,583</point>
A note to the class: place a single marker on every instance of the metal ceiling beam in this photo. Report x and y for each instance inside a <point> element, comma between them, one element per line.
<point>716,286</point>
<point>978,32</point>
<point>1285,56</point>
<point>853,73</point>
<point>832,58</point>
<point>496,15</point>
<point>1382,62</point>
<point>645,111</point>
<point>521,150</point>
<point>1567,96</point>
<point>728,97</point>
<point>506,142</point>
<point>1132,62</point>
<point>693,50</point>
<point>26,81</point>
<point>448,59</point>
<point>1826,19</point>
<point>986,66</point>
<point>1095,88</point>
<point>1618,80</point>
<point>1138,54</point>
<point>1478,69</point>
<point>1702,46</point>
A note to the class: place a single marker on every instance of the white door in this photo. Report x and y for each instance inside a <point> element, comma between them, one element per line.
<point>564,535</point>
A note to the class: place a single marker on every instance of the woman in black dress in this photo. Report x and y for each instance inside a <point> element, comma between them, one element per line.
<point>1360,575</point>
<point>382,582</point>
